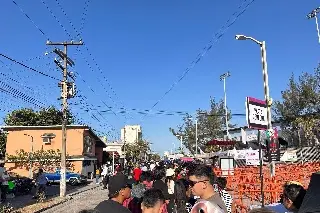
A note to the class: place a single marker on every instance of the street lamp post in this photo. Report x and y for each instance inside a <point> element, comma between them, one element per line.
<point>268,101</point>
<point>262,45</point>
<point>196,137</point>
<point>181,137</point>
<point>223,78</point>
<point>313,14</point>
<point>30,155</point>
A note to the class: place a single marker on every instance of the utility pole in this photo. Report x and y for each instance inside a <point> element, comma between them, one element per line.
<point>124,146</point>
<point>223,78</point>
<point>196,137</point>
<point>68,91</point>
<point>313,14</point>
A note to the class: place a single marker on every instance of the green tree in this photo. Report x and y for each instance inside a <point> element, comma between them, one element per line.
<point>29,117</point>
<point>137,151</point>
<point>211,124</point>
<point>298,111</point>
<point>155,157</point>
<point>3,142</point>
<point>49,160</point>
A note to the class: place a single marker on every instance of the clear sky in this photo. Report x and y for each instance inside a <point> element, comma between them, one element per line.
<point>135,50</point>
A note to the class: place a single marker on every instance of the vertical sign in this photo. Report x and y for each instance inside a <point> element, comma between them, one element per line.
<point>256,114</point>
<point>273,148</point>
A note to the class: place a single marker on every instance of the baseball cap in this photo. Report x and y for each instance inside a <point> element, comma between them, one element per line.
<point>118,182</point>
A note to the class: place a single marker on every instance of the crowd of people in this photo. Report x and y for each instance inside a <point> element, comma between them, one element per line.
<point>179,188</point>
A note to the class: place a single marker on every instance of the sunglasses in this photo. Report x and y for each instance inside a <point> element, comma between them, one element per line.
<point>193,183</point>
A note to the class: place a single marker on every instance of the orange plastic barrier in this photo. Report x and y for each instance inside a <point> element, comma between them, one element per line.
<point>244,182</point>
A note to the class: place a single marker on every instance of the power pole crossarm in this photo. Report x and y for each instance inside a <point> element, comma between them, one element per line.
<point>66,93</point>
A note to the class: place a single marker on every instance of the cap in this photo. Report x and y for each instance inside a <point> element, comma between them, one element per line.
<point>169,172</point>
<point>118,182</point>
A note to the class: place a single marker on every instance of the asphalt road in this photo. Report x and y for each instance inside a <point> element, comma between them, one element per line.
<point>51,191</point>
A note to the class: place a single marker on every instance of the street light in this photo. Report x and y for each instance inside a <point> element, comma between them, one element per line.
<point>181,136</point>
<point>313,14</point>
<point>196,135</point>
<point>223,78</point>
<point>30,154</point>
<point>262,45</point>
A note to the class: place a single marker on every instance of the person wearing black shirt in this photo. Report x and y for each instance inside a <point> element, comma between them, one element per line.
<point>119,189</point>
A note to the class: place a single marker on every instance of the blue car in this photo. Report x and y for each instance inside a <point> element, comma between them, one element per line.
<point>71,178</point>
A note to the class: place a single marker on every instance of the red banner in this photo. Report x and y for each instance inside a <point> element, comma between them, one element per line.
<point>221,143</point>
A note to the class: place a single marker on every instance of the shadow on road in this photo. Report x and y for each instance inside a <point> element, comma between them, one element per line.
<point>52,191</point>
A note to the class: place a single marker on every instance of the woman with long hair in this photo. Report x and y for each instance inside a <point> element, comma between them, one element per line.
<point>183,202</point>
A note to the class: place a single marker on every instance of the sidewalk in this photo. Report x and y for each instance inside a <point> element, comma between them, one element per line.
<point>52,191</point>
<point>86,200</point>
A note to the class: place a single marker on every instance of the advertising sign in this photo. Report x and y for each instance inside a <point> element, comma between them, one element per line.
<point>252,158</point>
<point>273,148</point>
<point>256,114</point>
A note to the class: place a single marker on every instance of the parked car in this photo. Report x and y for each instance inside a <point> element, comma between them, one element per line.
<point>71,178</point>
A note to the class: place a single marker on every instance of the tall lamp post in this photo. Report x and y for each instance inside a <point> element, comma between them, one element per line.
<point>223,78</point>
<point>181,137</point>
<point>196,140</point>
<point>262,45</point>
<point>313,14</point>
<point>30,155</point>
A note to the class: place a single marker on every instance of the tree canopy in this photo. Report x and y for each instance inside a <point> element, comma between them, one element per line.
<point>211,124</point>
<point>29,117</point>
<point>137,151</point>
<point>49,160</point>
<point>298,111</point>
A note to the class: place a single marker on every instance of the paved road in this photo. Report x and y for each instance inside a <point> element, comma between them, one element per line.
<point>52,191</point>
<point>86,200</point>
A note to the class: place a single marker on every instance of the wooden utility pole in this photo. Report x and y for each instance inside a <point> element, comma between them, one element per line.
<point>68,91</point>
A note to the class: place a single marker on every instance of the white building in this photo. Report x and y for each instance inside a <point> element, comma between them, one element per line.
<point>131,133</point>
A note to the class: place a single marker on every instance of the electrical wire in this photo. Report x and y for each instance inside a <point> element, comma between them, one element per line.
<point>22,11</point>
<point>83,18</point>
<point>56,18</point>
<point>217,36</point>
<point>93,58</point>
<point>29,68</point>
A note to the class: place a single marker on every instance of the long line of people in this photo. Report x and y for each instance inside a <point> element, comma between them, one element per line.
<point>180,189</point>
<point>169,185</point>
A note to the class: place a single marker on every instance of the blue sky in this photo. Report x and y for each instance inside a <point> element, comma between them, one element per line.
<point>142,47</point>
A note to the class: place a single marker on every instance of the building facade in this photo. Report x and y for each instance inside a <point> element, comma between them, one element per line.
<point>84,147</point>
<point>131,133</point>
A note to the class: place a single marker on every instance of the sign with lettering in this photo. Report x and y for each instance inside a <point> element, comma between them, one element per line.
<point>252,158</point>
<point>273,148</point>
<point>256,114</point>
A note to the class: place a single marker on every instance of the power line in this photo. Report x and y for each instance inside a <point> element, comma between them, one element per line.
<point>84,15</point>
<point>217,36</point>
<point>93,58</point>
<point>56,18</point>
<point>30,68</point>
<point>22,11</point>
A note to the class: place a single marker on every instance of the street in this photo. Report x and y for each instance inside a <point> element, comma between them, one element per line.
<point>52,191</point>
<point>83,201</point>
